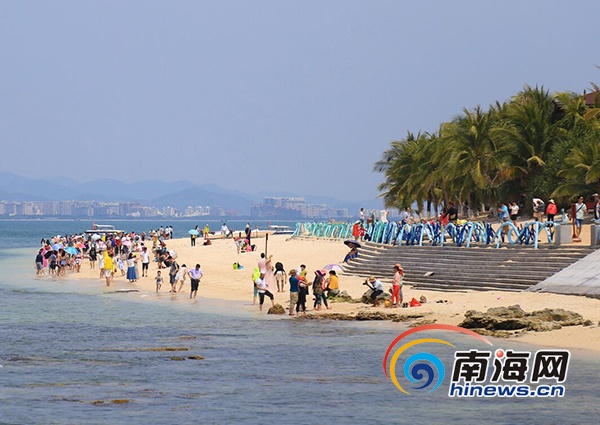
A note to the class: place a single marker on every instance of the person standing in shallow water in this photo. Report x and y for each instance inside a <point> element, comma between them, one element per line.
<point>195,276</point>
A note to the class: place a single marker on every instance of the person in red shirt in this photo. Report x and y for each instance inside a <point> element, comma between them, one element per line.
<point>551,210</point>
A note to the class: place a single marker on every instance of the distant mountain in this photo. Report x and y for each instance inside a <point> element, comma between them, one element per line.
<point>14,187</point>
<point>197,196</point>
<point>178,194</point>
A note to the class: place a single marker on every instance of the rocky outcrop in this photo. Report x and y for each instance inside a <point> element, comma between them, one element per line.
<point>276,309</point>
<point>340,297</point>
<point>364,315</point>
<point>500,321</point>
<point>366,297</point>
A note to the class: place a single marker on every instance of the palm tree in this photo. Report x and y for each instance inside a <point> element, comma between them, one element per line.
<point>530,127</point>
<point>475,156</point>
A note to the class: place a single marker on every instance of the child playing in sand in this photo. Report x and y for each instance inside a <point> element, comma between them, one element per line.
<point>159,281</point>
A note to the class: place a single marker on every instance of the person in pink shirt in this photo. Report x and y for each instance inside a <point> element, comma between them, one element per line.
<point>397,295</point>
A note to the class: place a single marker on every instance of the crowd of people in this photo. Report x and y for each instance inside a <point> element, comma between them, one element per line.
<point>268,275</point>
<point>117,254</point>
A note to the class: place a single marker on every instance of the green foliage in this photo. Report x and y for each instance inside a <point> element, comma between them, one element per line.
<point>537,144</point>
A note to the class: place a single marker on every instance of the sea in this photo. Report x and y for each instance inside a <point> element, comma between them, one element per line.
<point>73,352</point>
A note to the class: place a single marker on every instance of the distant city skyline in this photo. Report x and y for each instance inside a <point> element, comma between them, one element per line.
<point>271,207</point>
<point>265,96</point>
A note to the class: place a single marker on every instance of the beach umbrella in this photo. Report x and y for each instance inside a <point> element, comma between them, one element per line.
<point>48,254</point>
<point>193,232</point>
<point>96,236</point>
<point>71,250</point>
<point>173,253</point>
<point>80,245</point>
<point>127,243</point>
<point>351,243</point>
<point>335,267</point>
<point>57,246</point>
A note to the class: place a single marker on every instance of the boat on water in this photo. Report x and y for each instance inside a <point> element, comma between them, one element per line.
<point>103,229</point>
<point>281,230</point>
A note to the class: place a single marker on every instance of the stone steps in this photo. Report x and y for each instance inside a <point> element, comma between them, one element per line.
<point>459,268</point>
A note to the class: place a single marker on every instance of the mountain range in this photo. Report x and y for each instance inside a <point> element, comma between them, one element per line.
<point>178,194</point>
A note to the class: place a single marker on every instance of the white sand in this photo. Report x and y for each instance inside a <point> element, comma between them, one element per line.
<point>221,281</point>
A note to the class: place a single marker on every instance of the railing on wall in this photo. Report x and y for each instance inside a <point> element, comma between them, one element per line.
<point>466,234</point>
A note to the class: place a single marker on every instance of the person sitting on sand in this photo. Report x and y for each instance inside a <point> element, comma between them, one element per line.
<point>332,284</point>
<point>352,254</point>
<point>376,289</point>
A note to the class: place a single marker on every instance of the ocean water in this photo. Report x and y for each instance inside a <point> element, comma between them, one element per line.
<point>72,352</point>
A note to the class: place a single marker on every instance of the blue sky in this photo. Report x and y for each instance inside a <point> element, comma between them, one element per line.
<point>276,96</point>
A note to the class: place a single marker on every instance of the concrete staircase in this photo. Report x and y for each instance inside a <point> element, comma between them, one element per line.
<point>454,268</point>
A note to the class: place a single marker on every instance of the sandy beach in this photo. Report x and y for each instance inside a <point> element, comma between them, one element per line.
<point>221,281</point>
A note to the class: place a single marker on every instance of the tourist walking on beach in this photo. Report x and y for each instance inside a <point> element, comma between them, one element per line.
<point>280,276</point>
<point>93,256</point>
<point>174,269</point>
<point>195,276</point>
<point>131,269</point>
<point>145,262</point>
<point>294,290</point>
<point>181,274</point>
<point>263,289</point>
<point>248,233</point>
<point>108,267</point>
<point>159,281</point>
<point>397,295</point>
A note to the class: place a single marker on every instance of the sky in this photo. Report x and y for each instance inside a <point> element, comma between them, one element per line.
<point>277,96</point>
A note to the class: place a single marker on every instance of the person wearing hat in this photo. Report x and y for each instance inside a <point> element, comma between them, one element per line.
<point>551,210</point>
<point>397,295</point>
<point>376,289</point>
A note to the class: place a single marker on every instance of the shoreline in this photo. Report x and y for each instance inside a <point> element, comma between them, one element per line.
<point>222,283</point>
